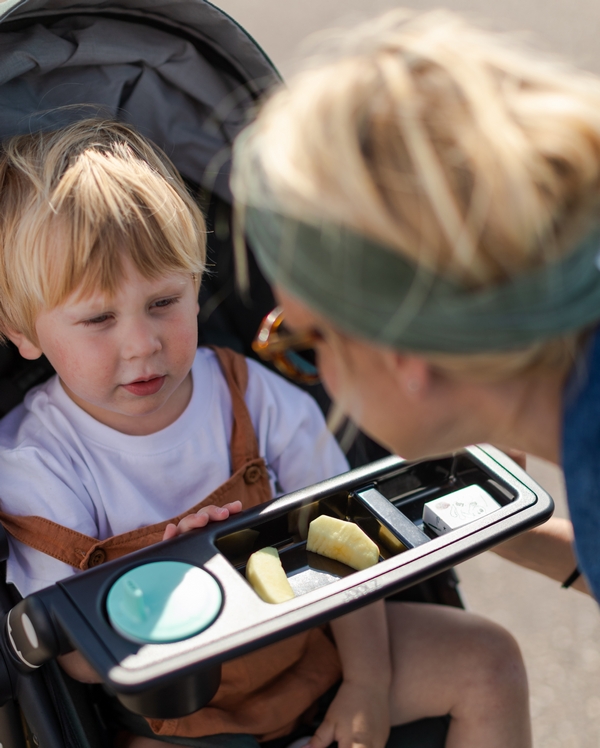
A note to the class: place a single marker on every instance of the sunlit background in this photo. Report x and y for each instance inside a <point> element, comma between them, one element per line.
<point>558,630</point>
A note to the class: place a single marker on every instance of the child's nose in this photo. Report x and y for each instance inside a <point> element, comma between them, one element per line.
<point>140,339</point>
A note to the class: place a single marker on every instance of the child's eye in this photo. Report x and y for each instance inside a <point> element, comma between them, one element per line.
<point>163,303</point>
<point>96,320</point>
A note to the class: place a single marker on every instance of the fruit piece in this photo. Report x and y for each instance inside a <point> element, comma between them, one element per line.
<point>267,577</point>
<point>342,541</point>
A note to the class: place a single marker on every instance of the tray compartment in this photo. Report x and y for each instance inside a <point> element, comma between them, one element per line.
<point>288,532</point>
<point>388,510</point>
<point>75,606</point>
<point>414,485</point>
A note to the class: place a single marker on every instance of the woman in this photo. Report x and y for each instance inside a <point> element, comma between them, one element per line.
<point>426,202</point>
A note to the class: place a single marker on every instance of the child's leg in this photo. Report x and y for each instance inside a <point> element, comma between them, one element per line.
<point>448,661</point>
<point>139,741</point>
<point>210,741</point>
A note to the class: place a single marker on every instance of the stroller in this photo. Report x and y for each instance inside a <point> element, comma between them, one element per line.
<point>189,78</point>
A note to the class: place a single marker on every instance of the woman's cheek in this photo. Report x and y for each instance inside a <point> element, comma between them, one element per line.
<point>327,371</point>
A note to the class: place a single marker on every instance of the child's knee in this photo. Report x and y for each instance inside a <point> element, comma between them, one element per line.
<point>495,660</point>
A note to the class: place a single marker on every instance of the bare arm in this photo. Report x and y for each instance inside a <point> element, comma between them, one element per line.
<point>359,715</point>
<point>547,549</point>
<point>363,643</point>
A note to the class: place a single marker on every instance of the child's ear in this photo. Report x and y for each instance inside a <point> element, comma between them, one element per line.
<point>27,349</point>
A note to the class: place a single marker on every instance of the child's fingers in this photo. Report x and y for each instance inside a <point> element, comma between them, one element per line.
<point>213,513</point>
<point>234,507</point>
<point>193,521</point>
<point>201,518</point>
<point>324,736</point>
<point>170,531</point>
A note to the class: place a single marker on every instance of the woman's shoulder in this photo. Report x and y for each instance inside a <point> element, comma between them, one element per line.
<point>581,396</point>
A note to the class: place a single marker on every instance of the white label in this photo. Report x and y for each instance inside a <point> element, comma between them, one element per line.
<point>458,509</point>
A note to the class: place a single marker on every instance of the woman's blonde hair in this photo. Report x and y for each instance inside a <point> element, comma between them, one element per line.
<point>74,203</point>
<point>448,143</point>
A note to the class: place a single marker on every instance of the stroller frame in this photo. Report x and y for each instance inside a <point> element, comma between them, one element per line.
<point>213,77</point>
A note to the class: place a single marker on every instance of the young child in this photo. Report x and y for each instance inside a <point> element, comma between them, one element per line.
<point>140,436</point>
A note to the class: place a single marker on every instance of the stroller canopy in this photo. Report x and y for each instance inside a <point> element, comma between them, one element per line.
<point>181,71</point>
<point>184,74</point>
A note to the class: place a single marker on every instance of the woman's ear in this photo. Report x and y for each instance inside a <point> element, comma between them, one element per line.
<point>27,349</point>
<point>412,373</point>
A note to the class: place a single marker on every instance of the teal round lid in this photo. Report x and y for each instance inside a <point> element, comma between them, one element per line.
<point>163,601</point>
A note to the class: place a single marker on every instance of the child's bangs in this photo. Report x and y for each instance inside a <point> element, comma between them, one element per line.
<point>152,252</point>
<point>74,204</point>
<point>108,208</point>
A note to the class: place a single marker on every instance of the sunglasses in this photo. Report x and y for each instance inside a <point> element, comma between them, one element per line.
<point>284,349</point>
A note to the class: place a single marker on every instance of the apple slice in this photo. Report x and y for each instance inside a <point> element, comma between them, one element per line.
<point>342,541</point>
<point>267,577</point>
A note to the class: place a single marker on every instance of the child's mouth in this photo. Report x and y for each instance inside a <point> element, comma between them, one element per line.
<point>145,386</point>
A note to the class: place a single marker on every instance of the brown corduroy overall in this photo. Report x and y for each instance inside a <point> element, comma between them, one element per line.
<point>264,693</point>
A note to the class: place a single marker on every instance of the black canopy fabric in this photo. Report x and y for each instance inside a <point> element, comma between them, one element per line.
<point>185,75</point>
<point>182,72</point>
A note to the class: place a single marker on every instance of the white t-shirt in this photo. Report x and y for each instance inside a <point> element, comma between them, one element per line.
<point>58,462</point>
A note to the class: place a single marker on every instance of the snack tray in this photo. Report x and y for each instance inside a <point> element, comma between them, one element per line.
<point>385,499</point>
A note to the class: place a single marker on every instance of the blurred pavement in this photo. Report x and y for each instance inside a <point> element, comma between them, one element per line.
<point>568,27</point>
<point>558,630</point>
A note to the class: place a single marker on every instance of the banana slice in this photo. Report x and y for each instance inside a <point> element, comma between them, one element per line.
<point>267,577</point>
<point>342,541</point>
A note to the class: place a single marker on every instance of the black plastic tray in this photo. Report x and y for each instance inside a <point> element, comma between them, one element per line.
<point>386,499</point>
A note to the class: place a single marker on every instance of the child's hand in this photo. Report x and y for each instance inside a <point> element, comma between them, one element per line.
<point>358,716</point>
<point>201,518</point>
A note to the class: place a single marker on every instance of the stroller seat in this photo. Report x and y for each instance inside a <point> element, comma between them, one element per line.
<point>189,78</point>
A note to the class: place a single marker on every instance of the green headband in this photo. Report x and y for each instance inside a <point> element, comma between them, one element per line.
<point>371,291</point>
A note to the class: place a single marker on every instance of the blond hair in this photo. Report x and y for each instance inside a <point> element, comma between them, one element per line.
<point>445,142</point>
<point>74,203</point>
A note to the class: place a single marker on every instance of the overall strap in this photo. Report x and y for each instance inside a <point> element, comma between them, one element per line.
<point>248,483</point>
<point>244,444</point>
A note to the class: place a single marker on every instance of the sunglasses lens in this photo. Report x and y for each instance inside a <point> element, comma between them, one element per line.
<point>302,365</point>
<point>292,353</point>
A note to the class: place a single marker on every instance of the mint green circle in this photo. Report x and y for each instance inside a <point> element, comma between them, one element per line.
<point>163,601</point>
